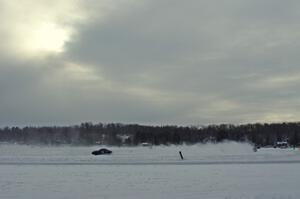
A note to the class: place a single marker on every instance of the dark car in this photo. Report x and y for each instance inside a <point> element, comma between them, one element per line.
<point>102,151</point>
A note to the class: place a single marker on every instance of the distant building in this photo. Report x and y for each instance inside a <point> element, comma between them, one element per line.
<point>281,145</point>
<point>146,144</point>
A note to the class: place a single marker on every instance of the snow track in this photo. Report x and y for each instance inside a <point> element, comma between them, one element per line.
<point>222,171</point>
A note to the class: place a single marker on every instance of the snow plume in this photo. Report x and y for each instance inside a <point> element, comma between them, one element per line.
<point>224,148</point>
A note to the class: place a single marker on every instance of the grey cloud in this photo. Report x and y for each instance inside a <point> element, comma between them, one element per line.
<point>34,93</point>
<point>197,47</point>
<point>169,61</point>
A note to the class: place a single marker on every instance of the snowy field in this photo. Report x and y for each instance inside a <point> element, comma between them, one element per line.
<point>225,171</point>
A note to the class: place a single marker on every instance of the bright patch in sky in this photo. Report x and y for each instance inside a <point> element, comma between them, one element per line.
<point>36,28</point>
<point>46,37</point>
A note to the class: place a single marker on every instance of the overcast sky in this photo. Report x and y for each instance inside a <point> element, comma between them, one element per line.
<point>157,62</point>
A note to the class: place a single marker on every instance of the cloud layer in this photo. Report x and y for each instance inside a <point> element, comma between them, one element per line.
<point>151,62</point>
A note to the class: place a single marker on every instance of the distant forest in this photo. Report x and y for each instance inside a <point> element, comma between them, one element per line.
<point>133,134</point>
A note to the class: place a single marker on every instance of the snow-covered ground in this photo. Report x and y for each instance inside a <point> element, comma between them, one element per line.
<point>228,170</point>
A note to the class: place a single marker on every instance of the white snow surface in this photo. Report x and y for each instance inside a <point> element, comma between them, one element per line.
<point>228,171</point>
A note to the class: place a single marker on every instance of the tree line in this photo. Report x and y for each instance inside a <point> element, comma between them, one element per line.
<point>134,134</point>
